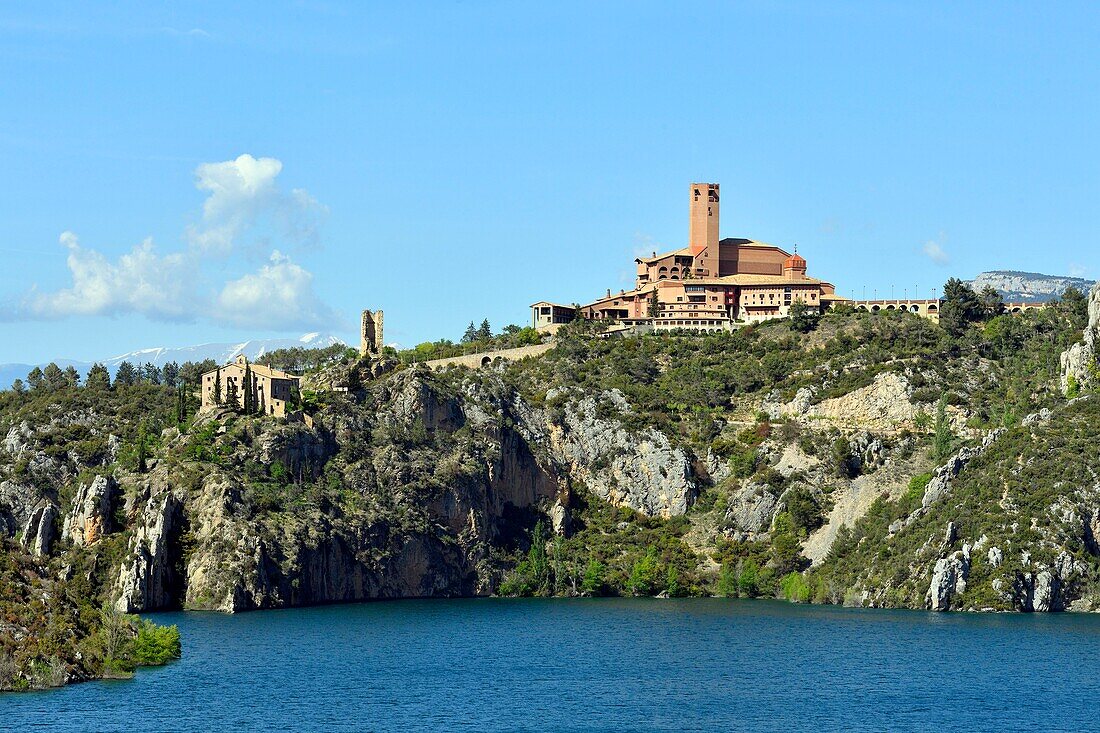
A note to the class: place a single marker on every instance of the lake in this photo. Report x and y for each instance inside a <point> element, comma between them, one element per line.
<point>600,664</point>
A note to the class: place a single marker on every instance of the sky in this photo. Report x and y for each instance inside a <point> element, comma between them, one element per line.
<point>177,175</point>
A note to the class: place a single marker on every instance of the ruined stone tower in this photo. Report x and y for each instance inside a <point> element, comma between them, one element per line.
<point>370,337</point>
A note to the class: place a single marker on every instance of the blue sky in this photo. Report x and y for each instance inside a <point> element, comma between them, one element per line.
<point>174,175</point>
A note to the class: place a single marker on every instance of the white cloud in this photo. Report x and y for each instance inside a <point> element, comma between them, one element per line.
<point>280,296</point>
<point>243,198</point>
<point>243,192</point>
<point>934,251</point>
<point>140,281</point>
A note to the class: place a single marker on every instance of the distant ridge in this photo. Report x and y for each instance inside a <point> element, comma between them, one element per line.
<point>161,355</point>
<point>1017,286</point>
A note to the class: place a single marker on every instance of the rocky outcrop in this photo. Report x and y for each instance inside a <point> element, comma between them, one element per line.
<point>949,578</point>
<point>301,450</point>
<point>228,568</point>
<point>1028,286</point>
<point>17,501</point>
<point>882,405</point>
<point>1043,589</point>
<point>640,470</point>
<point>90,516</point>
<point>148,580</point>
<point>15,442</point>
<point>1079,361</point>
<point>438,479</point>
<point>40,529</point>
<point>750,511</point>
<point>940,485</point>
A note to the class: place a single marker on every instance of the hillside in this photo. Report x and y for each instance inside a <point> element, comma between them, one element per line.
<point>873,459</point>
<point>1016,286</point>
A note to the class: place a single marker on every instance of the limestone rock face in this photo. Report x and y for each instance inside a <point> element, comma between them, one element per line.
<point>751,510</point>
<point>228,567</point>
<point>15,442</point>
<point>17,502</point>
<point>40,529</point>
<point>303,451</point>
<point>1079,360</point>
<point>1043,589</point>
<point>452,474</point>
<point>948,579</point>
<point>148,580</point>
<point>642,470</point>
<point>883,404</point>
<point>90,516</point>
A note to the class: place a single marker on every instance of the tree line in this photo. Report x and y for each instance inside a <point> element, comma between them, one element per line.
<point>52,377</point>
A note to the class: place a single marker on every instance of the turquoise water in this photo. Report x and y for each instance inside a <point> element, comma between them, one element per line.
<point>573,665</point>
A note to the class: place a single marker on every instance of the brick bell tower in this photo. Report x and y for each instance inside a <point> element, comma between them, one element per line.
<point>703,228</point>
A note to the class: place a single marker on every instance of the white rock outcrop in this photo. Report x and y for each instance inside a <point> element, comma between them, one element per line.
<point>145,582</point>
<point>90,516</point>
<point>949,578</point>
<point>1079,360</point>
<point>884,404</point>
<point>642,470</point>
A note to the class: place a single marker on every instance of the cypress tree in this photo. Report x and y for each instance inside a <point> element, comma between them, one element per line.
<point>248,407</point>
<point>231,395</point>
<point>218,387</point>
<point>142,466</point>
<point>181,402</point>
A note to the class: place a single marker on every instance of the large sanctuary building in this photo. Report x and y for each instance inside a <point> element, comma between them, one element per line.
<point>710,284</point>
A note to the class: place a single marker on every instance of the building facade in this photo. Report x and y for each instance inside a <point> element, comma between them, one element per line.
<point>272,390</point>
<point>547,315</point>
<point>711,283</point>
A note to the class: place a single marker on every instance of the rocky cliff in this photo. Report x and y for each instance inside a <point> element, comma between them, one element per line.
<point>856,458</point>
<point>1079,369</point>
<point>1017,286</point>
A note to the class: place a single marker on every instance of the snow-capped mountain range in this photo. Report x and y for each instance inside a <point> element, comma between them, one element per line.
<point>219,352</point>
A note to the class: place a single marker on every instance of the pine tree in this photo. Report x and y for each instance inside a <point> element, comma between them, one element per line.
<point>484,331</point>
<point>471,334</point>
<point>54,377</point>
<point>35,379</point>
<point>98,378</point>
<point>72,377</point>
<point>18,387</point>
<point>171,374</point>
<point>992,302</point>
<point>960,307</point>
<point>150,373</point>
<point>126,375</point>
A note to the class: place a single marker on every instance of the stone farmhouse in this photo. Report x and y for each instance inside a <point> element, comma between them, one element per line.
<point>710,284</point>
<point>272,389</point>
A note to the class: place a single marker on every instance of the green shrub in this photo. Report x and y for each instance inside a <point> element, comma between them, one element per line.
<point>794,588</point>
<point>156,645</point>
